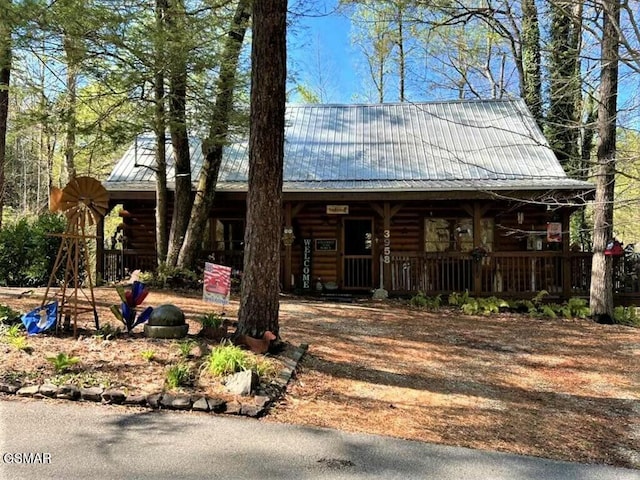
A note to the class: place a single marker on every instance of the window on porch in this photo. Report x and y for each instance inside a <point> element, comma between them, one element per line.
<point>455,234</point>
<point>228,234</point>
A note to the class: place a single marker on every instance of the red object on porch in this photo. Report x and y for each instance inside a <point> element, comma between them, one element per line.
<point>614,249</point>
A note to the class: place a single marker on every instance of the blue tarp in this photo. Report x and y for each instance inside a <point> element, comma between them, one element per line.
<point>41,319</point>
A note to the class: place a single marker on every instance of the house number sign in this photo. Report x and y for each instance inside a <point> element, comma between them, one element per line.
<point>386,243</point>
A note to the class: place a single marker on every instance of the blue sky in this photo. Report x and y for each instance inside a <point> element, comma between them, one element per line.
<point>322,38</point>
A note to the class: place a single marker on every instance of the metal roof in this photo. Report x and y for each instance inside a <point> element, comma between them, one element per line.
<point>453,145</point>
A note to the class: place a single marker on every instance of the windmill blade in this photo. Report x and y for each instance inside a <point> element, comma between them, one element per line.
<point>55,199</point>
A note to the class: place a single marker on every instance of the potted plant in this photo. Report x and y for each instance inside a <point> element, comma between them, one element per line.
<point>213,326</point>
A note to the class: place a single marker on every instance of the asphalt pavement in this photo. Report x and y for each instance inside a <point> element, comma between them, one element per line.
<point>45,439</point>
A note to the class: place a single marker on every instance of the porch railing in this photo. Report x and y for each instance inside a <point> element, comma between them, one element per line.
<point>119,264</point>
<point>499,273</point>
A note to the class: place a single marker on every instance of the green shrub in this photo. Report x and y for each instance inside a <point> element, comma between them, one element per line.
<point>227,359</point>
<point>148,355</point>
<point>107,332</point>
<point>62,362</point>
<point>185,347</point>
<point>213,320</point>
<point>8,315</point>
<point>178,375</point>
<point>420,300</point>
<point>172,277</point>
<point>28,250</point>
<point>626,316</point>
<point>578,307</point>
<point>458,299</point>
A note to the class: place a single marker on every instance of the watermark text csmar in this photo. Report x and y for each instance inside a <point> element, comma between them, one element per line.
<point>25,458</point>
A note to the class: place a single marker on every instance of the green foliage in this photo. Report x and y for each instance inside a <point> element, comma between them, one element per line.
<point>547,311</point>
<point>626,316</point>
<point>173,277</point>
<point>420,300</point>
<point>178,375</point>
<point>578,307</point>
<point>539,297</point>
<point>185,347</point>
<point>458,299</point>
<point>227,359</point>
<point>483,306</point>
<point>148,355</point>
<point>14,336</point>
<point>107,332</point>
<point>213,320</point>
<point>7,314</point>
<point>28,251</point>
<point>263,366</point>
<point>62,362</point>
<point>81,379</point>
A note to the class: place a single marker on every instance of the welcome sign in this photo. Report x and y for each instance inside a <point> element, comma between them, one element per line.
<point>307,246</point>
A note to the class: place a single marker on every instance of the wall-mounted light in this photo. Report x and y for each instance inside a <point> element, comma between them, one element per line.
<point>520,218</point>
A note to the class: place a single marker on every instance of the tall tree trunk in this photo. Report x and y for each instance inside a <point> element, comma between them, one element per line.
<point>401,53</point>
<point>565,92</point>
<point>161,138</point>
<point>217,136</point>
<point>175,22</point>
<point>259,303</point>
<point>531,84</point>
<point>5,74</point>
<point>601,298</point>
<point>71,52</point>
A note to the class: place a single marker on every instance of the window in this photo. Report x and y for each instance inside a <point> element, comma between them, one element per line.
<point>228,234</point>
<point>455,234</point>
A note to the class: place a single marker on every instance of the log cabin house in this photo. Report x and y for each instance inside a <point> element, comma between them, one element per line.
<point>434,197</point>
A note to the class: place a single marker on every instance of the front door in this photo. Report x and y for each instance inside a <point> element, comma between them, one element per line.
<point>357,263</point>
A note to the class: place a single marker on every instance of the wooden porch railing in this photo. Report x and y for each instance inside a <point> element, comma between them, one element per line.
<point>499,273</point>
<point>119,264</point>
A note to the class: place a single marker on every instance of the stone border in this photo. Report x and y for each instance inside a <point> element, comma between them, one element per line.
<point>255,406</point>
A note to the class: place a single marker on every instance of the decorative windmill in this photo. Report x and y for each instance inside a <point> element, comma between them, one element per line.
<point>84,201</point>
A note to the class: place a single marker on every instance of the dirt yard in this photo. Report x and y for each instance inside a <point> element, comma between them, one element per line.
<point>562,389</point>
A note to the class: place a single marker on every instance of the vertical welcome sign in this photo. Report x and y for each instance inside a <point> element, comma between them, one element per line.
<point>306,263</point>
<point>216,287</point>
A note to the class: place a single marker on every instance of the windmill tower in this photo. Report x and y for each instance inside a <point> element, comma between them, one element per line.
<point>84,201</point>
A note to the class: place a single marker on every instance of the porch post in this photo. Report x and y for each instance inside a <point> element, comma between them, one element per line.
<point>287,247</point>
<point>477,242</point>
<point>100,251</point>
<point>386,238</point>
<point>566,254</point>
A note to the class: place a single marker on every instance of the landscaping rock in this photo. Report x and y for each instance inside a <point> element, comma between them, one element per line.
<point>68,392</point>
<point>138,400</point>
<point>10,387</point>
<point>261,401</point>
<point>251,410</point>
<point>176,402</point>
<point>48,390</point>
<point>242,383</point>
<point>28,391</point>
<point>217,405</point>
<point>113,395</point>
<point>181,402</point>
<point>91,394</point>
<point>158,331</point>
<point>233,408</point>
<point>201,405</point>
<point>154,400</point>
<point>166,315</point>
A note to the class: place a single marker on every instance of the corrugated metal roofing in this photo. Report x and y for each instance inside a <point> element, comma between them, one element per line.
<point>454,145</point>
